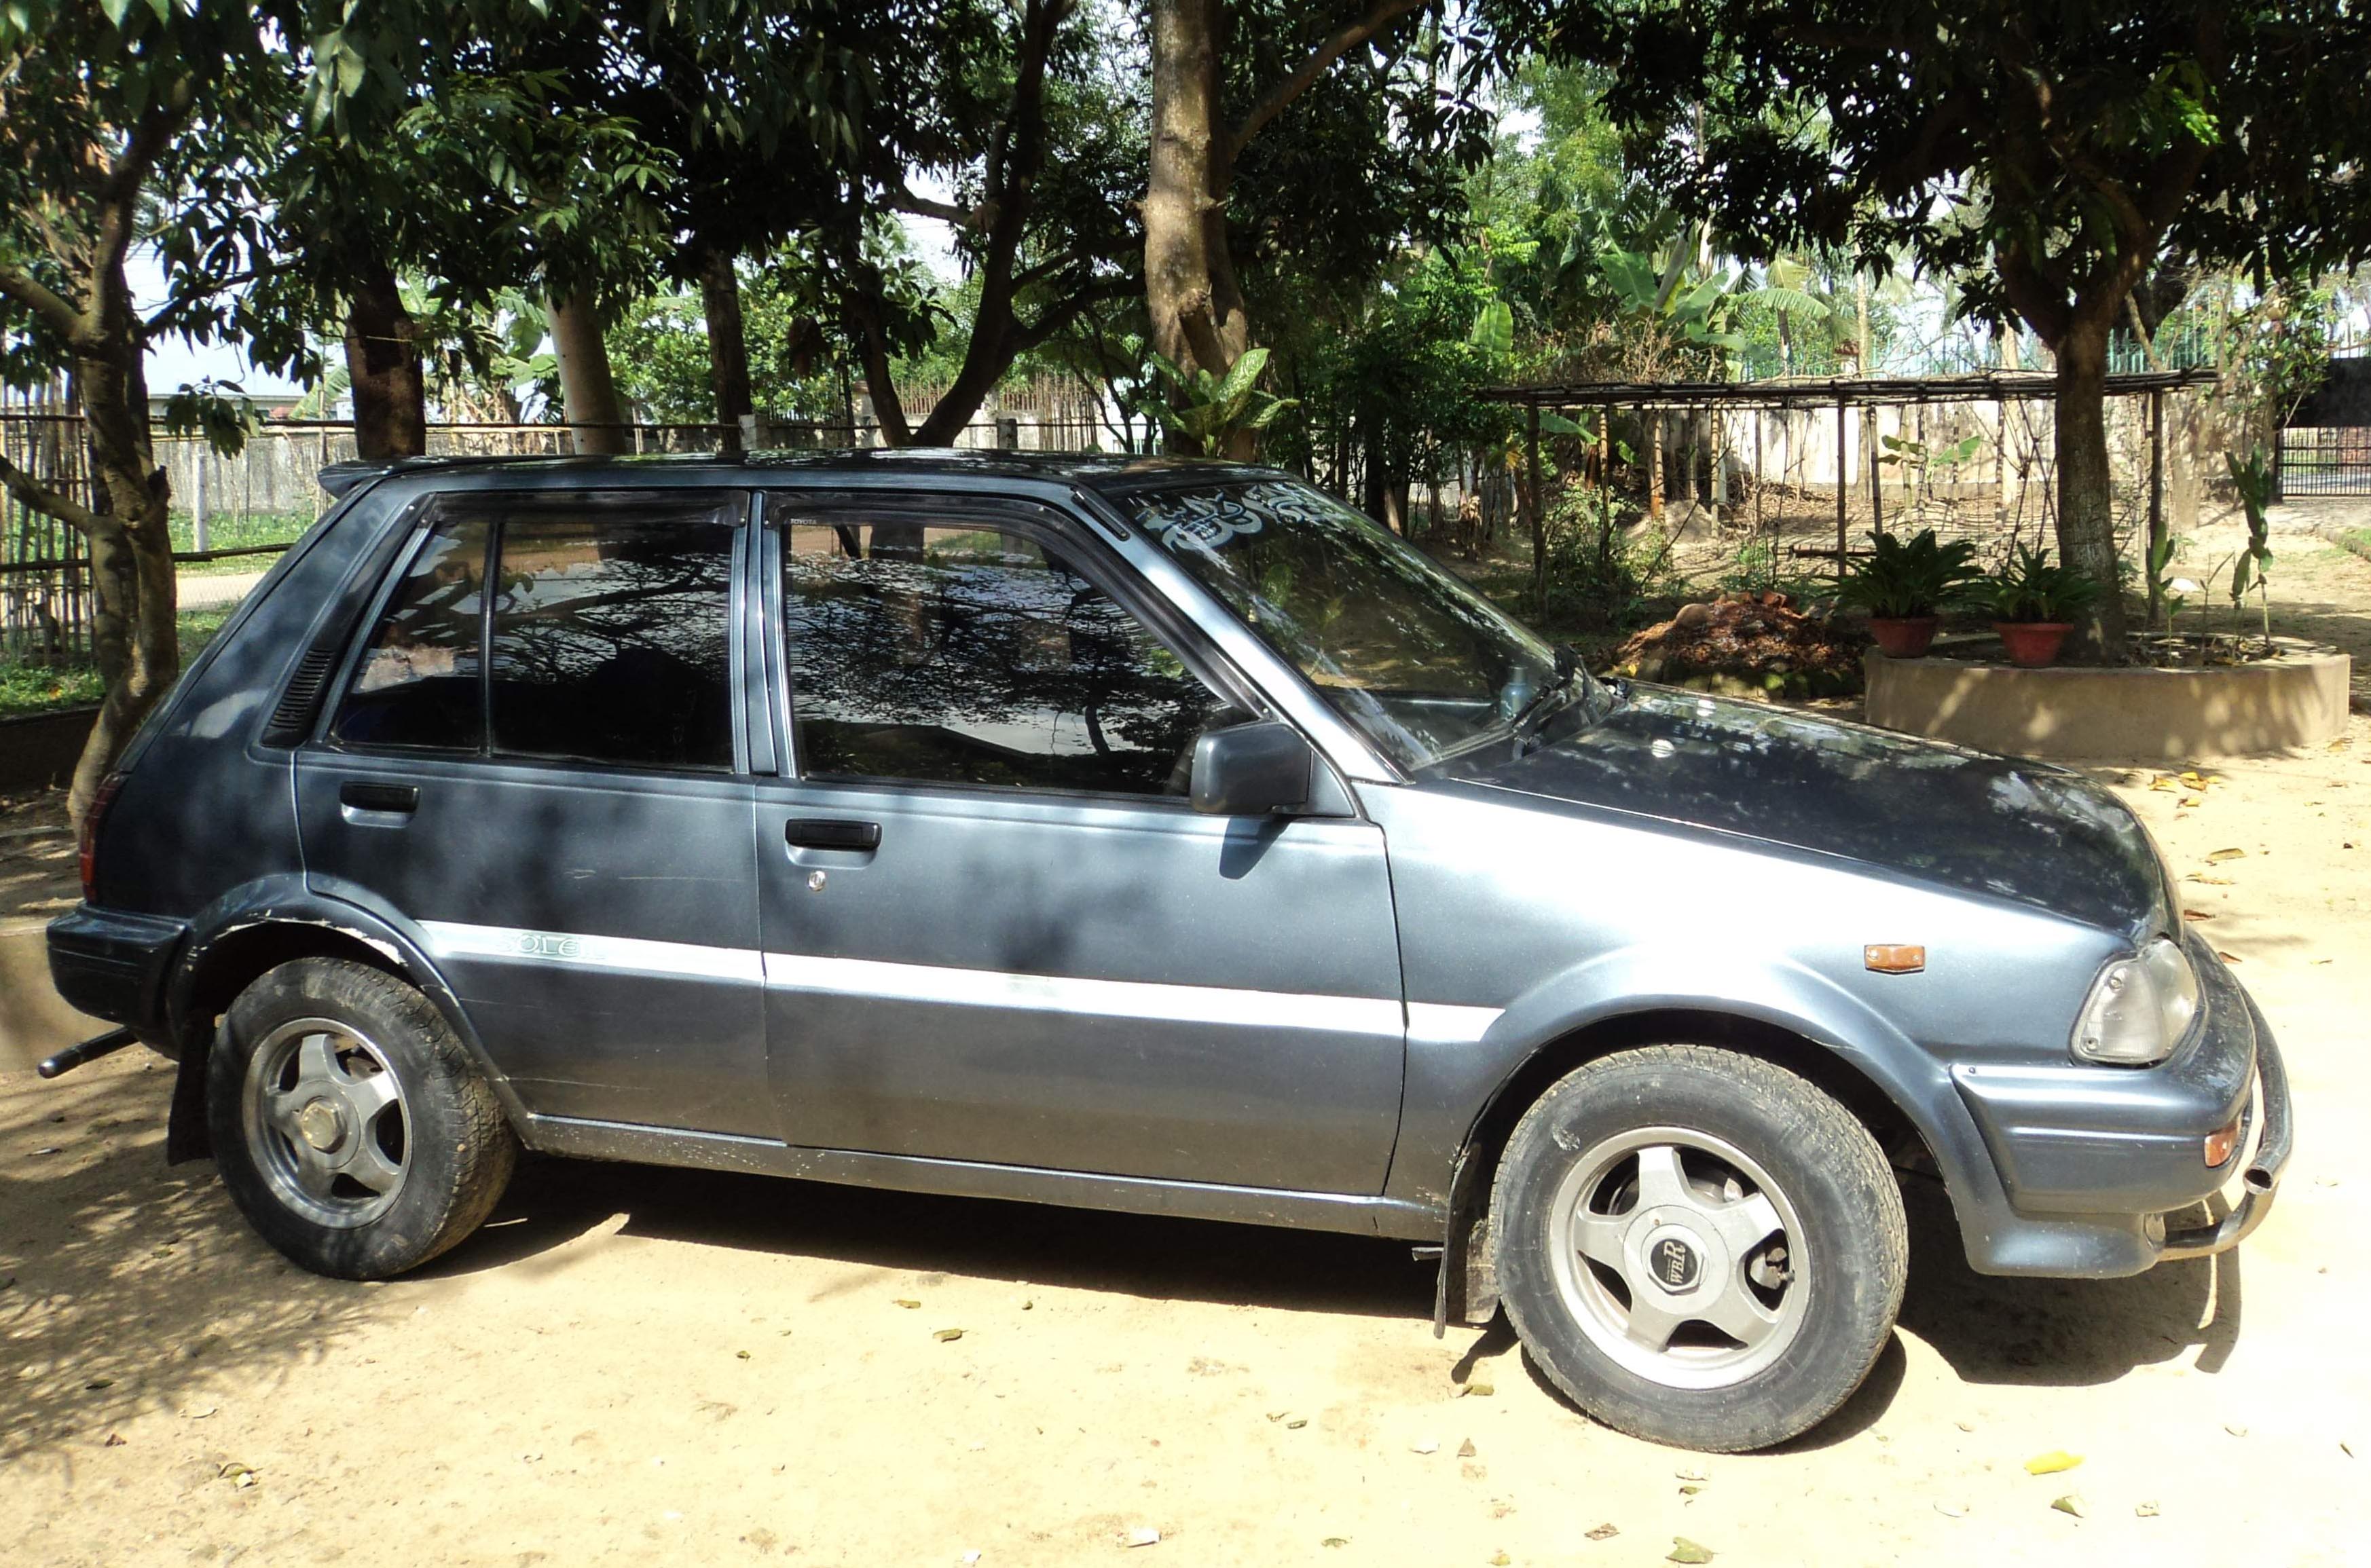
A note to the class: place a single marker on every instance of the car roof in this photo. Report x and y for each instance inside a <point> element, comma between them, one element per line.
<point>1098,471</point>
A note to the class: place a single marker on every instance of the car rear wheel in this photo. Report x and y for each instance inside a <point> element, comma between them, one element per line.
<point>1699,1247</point>
<point>350,1127</point>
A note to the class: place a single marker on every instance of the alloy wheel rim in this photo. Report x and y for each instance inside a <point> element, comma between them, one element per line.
<point>1679,1257</point>
<point>327,1122</point>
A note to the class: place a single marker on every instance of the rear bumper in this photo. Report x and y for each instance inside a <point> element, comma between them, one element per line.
<point>2101,1167</point>
<point>113,964</point>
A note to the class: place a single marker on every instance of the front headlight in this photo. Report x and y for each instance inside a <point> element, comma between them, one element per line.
<point>2139,1008</point>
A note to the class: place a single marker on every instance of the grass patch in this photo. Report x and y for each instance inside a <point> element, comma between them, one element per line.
<point>28,688</point>
<point>237,530</point>
<point>2357,540</point>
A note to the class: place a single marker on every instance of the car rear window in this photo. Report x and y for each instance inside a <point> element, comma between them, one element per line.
<point>609,639</point>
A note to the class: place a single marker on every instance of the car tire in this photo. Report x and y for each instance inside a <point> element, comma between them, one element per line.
<point>350,1125</point>
<point>1669,1180</point>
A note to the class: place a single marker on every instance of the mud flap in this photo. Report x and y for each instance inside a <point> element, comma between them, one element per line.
<point>186,1137</point>
<point>1467,1286</point>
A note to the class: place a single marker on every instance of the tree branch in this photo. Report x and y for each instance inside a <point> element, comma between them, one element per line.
<point>61,318</point>
<point>1380,15</point>
<point>1055,317</point>
<point>31,492</point>
<point>903,199</point>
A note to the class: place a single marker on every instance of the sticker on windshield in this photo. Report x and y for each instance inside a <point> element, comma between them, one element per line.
<point>1206,521</point>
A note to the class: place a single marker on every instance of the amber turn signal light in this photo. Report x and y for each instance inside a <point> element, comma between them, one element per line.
<point>2222,1143</point>
<point>1894,958</point>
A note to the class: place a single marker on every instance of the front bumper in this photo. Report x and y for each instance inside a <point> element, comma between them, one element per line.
<point>2099,1166</point>
<point>2259,1182</point>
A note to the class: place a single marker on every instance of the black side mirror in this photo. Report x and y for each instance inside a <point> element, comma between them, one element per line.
<point>1252,769</point>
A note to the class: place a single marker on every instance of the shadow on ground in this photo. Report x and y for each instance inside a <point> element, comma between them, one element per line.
<point>131,1286</point>
<point>124,1285</point>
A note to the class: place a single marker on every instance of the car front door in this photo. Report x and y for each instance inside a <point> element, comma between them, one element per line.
<point>996,931</point>
<point>546,781</point>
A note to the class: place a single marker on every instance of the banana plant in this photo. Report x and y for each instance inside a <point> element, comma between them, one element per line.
<point>2253,481</point>
<point>1208,413</point>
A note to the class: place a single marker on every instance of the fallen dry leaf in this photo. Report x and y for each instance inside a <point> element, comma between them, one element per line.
<point>2144,1510</point>
<point>2228,957</point>
<point>2070,1504</point>
<point>1603,1532</point>
<point>1144,1535</point>
<point>2051,1462</point>
<point>1465,1449</point>
<point>1685,1551</point>
<point>947,1336</point>
<point>2196,915</point>
<point>2218,857</point>
<point>906,1303</point>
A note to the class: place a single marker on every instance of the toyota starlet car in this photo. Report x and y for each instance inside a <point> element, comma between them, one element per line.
<point>1149,835</point>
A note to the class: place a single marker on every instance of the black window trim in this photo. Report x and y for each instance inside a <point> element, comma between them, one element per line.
<point>422,520</point>
<point>782,506</point>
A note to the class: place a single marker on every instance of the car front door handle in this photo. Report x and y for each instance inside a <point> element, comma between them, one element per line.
<point>828,833</point>
<point>363,796</point>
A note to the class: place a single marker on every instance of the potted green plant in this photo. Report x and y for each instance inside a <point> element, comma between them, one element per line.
<point>1903,584</point>
<point>2034,602</point>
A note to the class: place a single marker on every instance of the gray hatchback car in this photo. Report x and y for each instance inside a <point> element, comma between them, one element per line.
<point>1148,836</point>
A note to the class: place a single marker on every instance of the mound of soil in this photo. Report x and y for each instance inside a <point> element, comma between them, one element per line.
<point>1750,644</point>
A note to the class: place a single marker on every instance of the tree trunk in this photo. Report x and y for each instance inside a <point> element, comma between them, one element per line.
<point>728,346</point>
<point>131,551</point>
<point>383,362</point>
<point>1190,291</point>
<point>2087,535</point>
<point>596,417</point>
<point>1198,319</point>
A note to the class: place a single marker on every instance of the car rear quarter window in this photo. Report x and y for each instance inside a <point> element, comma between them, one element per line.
<point>606,640</point>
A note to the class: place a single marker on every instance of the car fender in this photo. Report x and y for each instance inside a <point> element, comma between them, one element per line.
<point>289,900</point>
<point>1454,1084</point>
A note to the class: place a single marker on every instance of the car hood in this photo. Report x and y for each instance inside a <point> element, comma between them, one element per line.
<point>2011,828</point>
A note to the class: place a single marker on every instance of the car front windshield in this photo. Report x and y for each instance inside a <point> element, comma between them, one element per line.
<point>1402,648</point>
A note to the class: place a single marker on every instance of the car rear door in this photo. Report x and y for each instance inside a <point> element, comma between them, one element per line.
<point>549,784</point>
<point>996,931</point>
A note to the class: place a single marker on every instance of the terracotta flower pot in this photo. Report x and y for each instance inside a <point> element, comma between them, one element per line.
<point>1904,637</point>
<point>2032,644</point>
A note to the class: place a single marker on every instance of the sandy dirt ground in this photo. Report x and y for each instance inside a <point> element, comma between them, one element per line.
<point>637,1366</point>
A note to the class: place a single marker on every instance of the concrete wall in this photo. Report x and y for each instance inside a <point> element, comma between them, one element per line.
<point>2068,714</point>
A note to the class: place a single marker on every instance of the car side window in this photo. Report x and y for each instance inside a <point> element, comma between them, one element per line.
<point>959,654</point>
<point>610,638</point>
<point>419,684</point>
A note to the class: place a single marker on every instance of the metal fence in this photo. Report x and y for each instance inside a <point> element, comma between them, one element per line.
<point>2325,460</point>
<point>261,500</point>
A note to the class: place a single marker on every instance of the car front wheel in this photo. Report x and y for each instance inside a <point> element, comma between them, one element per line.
<point>350,1125</point>
<point>1699,1247</point>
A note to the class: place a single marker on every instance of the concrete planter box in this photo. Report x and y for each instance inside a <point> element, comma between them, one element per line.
<point>39,750</point>
<point>2295,700</point>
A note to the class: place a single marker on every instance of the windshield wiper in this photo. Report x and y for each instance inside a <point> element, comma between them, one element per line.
<point>1550,699</point>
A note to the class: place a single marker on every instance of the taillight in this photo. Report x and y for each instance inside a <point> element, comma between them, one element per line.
<point>91,822</point>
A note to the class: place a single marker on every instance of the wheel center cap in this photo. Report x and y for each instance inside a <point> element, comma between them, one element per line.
<point>1675,1260</point>
<point>321,1124</point>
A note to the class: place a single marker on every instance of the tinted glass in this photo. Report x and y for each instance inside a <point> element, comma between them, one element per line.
<point>1398,646</point>
<point>417,684</point>
<point>968,656</point>
<point>610,638</point>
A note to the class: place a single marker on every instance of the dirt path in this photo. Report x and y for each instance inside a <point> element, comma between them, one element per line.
<point>638,1365</point>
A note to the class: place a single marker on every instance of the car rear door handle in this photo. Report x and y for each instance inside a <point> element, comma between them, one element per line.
<point>826,833</point>
<point>364,796</point>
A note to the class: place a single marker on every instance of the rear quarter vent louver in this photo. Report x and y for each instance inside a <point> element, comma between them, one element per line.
<point>293,719</point>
